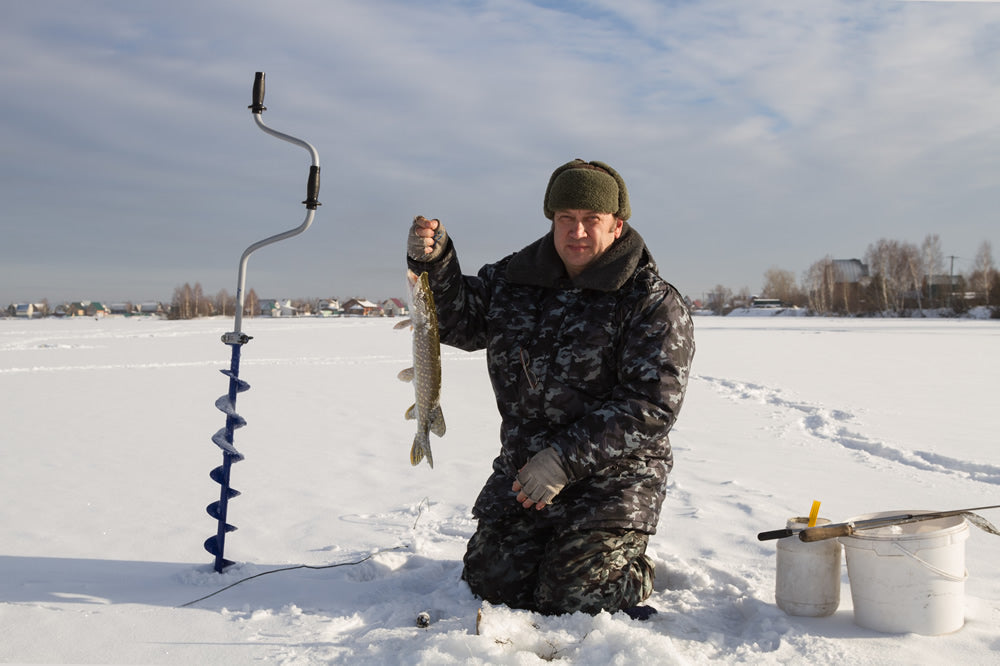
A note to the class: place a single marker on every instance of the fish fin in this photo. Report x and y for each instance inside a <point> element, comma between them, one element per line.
<point>403,324</point>
<point>421,447</point>
<point>406,375</point>
<point>437,421</point>
<point>411,413</point>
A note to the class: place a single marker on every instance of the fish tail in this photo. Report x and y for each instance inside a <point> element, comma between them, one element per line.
<point>421,447</point>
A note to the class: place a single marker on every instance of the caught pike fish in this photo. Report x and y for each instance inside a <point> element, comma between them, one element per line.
<point>426,371</point>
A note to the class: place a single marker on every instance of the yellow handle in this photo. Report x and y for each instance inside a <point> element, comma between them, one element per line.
<point>813,513</point>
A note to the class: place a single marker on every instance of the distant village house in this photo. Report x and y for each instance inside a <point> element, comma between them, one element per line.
<point>329,307</point>
<point>394,307</point>
<point>360,307</point>
<point>270,307</point>
<point>850,278</point>
<point>29,310</point>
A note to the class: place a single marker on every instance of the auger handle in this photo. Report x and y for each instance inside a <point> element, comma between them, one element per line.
<point>312,189</point>
<point>311,202</point>
<point>823,532</point>
<point>776,534</point>
<point>819,533</point>
<point>258,94</point>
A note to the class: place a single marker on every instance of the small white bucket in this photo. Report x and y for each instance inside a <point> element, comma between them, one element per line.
<point>908,578</point>
<point>807,580</point>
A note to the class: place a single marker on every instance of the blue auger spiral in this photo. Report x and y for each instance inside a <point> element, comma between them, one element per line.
<point>227,403</point>
<point>224,440</point>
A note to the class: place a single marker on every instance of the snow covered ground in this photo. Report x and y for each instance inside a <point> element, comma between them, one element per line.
<point>104,481</point>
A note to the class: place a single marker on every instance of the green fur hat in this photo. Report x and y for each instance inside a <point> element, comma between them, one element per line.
<point>587,186</point>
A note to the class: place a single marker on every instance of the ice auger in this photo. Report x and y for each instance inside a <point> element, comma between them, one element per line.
<point>236,339</point>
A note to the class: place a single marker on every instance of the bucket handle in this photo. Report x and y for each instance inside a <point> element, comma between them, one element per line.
<point>944,574</point>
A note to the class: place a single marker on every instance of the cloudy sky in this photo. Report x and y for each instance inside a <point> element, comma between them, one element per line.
<point>751,134</point>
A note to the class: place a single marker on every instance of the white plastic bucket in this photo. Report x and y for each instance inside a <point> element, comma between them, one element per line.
<point>908,578</point>
<point>807,579</point>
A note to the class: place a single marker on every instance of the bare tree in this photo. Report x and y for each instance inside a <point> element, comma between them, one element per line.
<point>781,284</point>
<point>932,257</point>
<point>719,298</point>
<point>196,299</point>
<point>225,304</point>
<point>203,306</point>
<point>251,304</point>
<point>819,282</point>
<point>912,272</point>
<point>181,306</point>
<point>983,270</point>
<point>889,262</point>
<point>878,258</point>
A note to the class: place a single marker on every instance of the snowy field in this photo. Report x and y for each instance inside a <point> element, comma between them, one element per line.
<point>104,480</point>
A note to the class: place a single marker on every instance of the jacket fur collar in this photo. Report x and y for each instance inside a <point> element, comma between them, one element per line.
<point>539,265</point>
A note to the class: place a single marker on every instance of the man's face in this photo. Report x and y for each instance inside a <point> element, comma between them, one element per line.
<point>583,235</point>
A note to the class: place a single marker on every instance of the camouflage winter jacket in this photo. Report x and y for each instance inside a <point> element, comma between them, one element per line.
<point>595,367</point>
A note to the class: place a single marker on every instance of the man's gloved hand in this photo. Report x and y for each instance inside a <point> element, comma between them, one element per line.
<point>540,480</point>
<point>426,240</point>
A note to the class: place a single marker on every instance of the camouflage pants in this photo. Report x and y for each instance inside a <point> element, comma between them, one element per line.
<point>524,563</point>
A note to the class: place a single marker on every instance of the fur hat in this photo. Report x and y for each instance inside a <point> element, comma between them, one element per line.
<point>587,186</point>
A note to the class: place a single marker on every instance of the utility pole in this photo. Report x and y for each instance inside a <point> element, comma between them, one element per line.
<point>951,282</point>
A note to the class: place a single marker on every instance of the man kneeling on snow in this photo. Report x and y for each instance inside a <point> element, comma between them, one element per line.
<point>589,351</point>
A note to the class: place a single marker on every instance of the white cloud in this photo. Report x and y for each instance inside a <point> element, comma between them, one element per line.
<point>766,133</point>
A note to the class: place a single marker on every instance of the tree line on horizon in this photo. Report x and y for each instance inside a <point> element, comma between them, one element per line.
<point>190,302</point>
<point>897,277</point>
